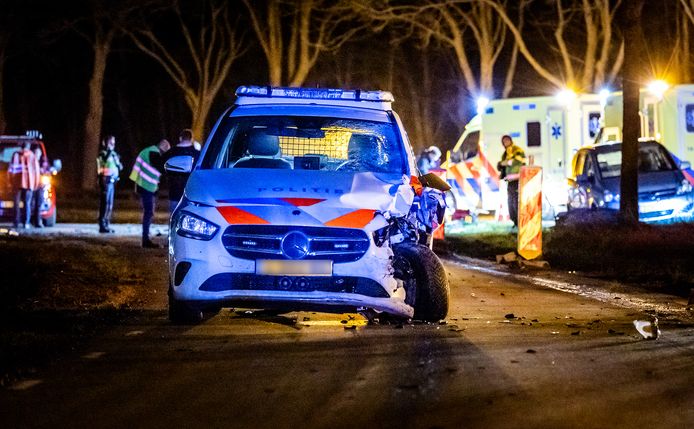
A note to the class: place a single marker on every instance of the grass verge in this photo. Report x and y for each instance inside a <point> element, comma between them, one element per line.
<point>658,256</point>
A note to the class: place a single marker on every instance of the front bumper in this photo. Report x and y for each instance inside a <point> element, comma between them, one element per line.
<point>206,274</point>
<point>665,209</point>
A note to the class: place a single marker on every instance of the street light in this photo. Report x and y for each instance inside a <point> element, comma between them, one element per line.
<point>658,87</point>
<point>482,103</point>
<point>566,96</point>
<point>604,95</point>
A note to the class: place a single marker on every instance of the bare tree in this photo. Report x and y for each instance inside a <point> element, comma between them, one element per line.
<point>684,48</point>
<point>688,8</point>
<point>100,26</point>
<point>208,52</point>
<point>293,34</point>
<point>449,23</point>
<point>588,65</point>
<point>4,38</point>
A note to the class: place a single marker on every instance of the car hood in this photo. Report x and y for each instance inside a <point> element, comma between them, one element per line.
<point>300,197</point>
<point>657,181</point>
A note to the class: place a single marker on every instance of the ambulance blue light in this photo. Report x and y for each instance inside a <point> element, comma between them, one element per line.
<point>314,93</point>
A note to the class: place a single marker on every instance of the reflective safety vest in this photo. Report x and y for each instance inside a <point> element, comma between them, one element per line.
<point>108,164</point>
<point>15,166</point>
<point>24,170</point>
<point>144,174</point>
<point>516,155</point>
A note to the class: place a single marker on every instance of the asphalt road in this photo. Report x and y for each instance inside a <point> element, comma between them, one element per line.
<point>518,350</point>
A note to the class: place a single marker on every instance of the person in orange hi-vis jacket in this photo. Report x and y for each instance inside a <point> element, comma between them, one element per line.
<point>24,176</point>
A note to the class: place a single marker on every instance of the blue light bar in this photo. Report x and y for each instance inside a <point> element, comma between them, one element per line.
<point>314,93</point>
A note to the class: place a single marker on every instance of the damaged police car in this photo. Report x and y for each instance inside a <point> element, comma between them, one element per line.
<point>307,199</point>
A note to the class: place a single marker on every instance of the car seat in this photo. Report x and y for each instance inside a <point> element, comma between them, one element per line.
<point>263,152</point>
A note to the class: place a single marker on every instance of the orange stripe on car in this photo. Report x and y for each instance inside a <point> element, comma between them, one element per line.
<point>356,219</point>
<point>235,216</point>
<point>302,202</point>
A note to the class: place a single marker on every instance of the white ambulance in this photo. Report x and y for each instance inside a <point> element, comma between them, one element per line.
<point>549,128</point>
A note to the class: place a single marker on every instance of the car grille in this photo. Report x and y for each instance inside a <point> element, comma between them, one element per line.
<point>264,242</point>
<point>338,284</point>
<point>659,195</point>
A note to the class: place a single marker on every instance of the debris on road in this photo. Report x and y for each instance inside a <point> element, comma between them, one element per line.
<point>648,329</point>
<point>536,264</point>
<point>531,351</point>
<point>507,258</point>
<point>510,316</point>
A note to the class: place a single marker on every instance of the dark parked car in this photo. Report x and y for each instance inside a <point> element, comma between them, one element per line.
<point>664,192</point>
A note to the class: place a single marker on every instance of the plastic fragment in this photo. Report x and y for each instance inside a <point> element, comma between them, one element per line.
<point>648,329</point>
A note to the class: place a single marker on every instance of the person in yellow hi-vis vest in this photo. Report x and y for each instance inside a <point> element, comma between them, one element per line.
<point>512,160</point>
<point>108,167</point>
<point>146,174</point>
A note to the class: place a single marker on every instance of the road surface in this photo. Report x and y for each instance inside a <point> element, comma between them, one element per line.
<point>517,350</point>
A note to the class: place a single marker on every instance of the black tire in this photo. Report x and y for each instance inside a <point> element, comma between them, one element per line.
<point>181,313</point>
<point>426,282</point>
<point>50,221</point>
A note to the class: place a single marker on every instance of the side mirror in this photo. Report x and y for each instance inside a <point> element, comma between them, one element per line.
<point>179,164</point>
<point>57,166</point>
<point>431,180</point>
<point>685,165</point>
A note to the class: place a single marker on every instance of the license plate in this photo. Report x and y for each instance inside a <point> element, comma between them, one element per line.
<point>275,267</point>
<point>648,207</point>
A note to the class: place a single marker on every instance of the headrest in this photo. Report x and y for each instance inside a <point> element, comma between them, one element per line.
<point>262,144</point>
<point>360,143</point>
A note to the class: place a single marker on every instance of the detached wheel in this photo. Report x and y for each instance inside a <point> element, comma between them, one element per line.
<point>426,283</point>
<point>181,313</point>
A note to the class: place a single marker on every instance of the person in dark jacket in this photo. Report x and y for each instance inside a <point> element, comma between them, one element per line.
<point>177,181</point>
<point>108,169</point>
<point>512,160</point>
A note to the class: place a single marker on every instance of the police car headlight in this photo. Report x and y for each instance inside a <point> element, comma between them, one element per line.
<point>191,226</point>
<point>684,188</point>
<point>45,180</point>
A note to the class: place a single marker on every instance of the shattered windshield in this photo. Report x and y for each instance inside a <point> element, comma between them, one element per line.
<point>306,143</point>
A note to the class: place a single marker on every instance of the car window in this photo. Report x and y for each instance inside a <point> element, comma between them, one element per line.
<point>589,167</point>
<point>652,157</point>
<point>610,162</point>
<point>309,143</point>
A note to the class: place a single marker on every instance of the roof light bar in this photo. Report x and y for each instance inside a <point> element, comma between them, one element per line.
<point>314,93</point>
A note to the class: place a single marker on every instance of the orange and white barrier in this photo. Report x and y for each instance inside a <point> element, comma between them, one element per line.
<point>530,213</point>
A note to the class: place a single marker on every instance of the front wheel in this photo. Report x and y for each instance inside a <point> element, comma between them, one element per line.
<point>426,283</point>
<point>180,313</point>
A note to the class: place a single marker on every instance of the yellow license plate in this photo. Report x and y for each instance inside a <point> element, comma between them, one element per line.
<point>275,267</point>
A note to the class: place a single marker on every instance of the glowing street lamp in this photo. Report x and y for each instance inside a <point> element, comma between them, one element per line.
<point>482,103</point>
<point>566,96</point>
<point>604,95</point>
<point>658,87</point>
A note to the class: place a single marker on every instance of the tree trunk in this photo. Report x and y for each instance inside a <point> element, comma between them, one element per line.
<point>197,125</point>
<point>3,46</point>
<point>92,125</point>
<point>631,73</point>
<point>3,121</point>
